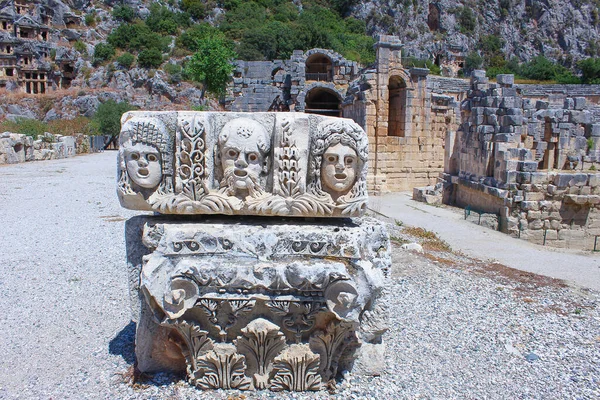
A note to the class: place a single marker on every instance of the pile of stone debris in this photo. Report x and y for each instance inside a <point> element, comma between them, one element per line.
<point>17,148</point>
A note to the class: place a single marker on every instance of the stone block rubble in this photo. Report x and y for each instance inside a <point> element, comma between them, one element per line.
<point>258,296</point>
<point>17,148</point>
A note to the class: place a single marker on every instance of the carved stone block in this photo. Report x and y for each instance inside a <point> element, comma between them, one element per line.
<point>276,164</point>
<point>283,306</point>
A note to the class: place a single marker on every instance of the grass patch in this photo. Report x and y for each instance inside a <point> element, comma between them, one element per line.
<point>420,233</point>
<point>429,240</point>
<point>398,240</point>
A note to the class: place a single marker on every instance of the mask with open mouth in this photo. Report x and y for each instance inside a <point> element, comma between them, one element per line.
<point>143,165</point>
<point>338,169</point>
<point>243,149</point>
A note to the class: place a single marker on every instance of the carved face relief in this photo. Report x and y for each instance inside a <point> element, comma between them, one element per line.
<point>338,169</point>
<point>244,144</point>
<point>143,165</point>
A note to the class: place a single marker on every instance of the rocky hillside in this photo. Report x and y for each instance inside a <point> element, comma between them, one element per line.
<point>146,71</point>
<point>567,30</point>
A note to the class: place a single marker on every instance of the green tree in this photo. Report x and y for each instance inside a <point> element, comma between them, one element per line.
<point>590,70</point>
<point>108,118</point>
<point>467,20</point>
<point>196,8</point>
<point>212,64</point>
<point>163,20</point>
<point>190,38</point>
<point>136,37</point>
<point>473,61</point>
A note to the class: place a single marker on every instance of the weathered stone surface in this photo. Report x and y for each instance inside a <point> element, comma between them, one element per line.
<point>287,164</point>
<point>246,297</point>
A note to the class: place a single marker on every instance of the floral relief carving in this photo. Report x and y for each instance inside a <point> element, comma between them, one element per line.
<point>296,369</point>
<point>196,342</point>
<point>329,345</point>
<point>221,368</point>
<point>262,341</point>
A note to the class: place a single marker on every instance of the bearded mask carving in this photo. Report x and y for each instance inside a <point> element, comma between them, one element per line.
<point>244,147</point>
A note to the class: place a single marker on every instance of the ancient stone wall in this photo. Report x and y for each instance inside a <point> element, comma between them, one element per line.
<point>531,162</point>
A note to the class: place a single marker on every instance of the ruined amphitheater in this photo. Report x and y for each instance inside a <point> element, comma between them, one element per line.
<point>526,153</point>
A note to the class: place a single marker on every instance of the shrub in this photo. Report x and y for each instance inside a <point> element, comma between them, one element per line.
<point>174,71</point>
<point>273,29</point>
<point>137,37</point>
<point>126,60</point>
<point>80,47</point>
<point>103,52</point>
<point>124,13</point>
<point>172,68</point>
<point>542,69</point>
<point>196,8</point>
<point>25,126</point>
<point>151,58</point>
<point>190,37</point>
<point>70,127</point>
<point>467,20</point>
<point>90,19</point>
<point>473,61</point>
<point>162,20</point>
<point>590,70</point>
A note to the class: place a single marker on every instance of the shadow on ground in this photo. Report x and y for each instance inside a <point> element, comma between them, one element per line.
<point>124,343</point>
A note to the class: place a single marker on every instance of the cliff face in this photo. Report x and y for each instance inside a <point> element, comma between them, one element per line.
<point>557,29</point>
<point>57,49</point>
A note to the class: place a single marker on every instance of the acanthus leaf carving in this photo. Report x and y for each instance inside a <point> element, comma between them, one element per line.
<point>296,369</point>
<point>221,368</point>
<point>261,343</point>
<point>196,341</point>
<point>329,345</point>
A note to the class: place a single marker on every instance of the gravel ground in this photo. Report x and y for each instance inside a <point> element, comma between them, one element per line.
<point>460,328</point>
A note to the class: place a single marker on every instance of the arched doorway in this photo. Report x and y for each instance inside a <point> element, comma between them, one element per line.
<point>397,106</point>
<point>319,68</point>
<point>323,101</point>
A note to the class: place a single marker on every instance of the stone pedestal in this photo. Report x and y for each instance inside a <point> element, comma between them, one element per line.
<point>255,297</point>
<point>253,302</point>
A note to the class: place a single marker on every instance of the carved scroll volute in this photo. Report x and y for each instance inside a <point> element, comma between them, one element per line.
<point>341,299</point>
<point>261,343</point>
<point>221,368</point>
<point>182,296</point>
<point>296,369</point>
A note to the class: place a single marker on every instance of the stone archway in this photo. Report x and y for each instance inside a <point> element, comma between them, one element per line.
<point>319,67</point>
<point>323,101</point>
<point>397,106</point>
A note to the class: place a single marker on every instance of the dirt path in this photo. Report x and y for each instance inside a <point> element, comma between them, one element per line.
<point>581,268</point>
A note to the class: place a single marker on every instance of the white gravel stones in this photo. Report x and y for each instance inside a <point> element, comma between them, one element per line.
<point>65,333</point>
